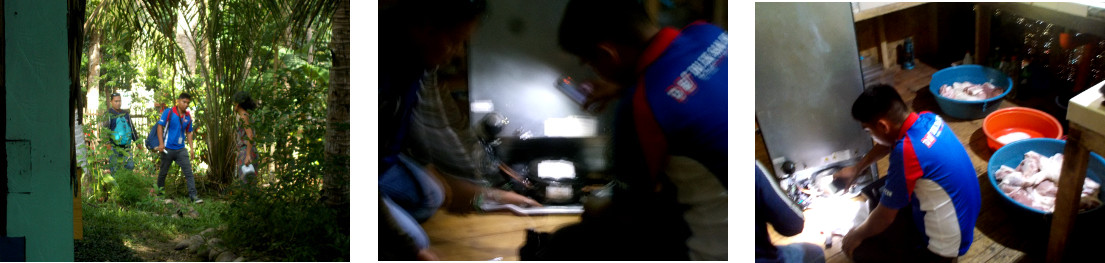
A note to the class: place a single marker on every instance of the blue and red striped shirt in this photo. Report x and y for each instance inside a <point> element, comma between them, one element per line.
<point>931,171</point>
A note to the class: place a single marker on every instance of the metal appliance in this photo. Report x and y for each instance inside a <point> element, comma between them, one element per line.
<point>808,74</point>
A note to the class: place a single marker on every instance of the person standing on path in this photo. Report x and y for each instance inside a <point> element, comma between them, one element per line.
<point>174,126</point>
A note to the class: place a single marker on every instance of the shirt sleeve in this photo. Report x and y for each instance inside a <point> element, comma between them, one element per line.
<point>895,193</point>
<point>188,122</point>
<point>439,135</point>
<point>164,116</point>
<point>109,121</point>
<point>782,213</point>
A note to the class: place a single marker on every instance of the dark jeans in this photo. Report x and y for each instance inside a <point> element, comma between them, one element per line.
<point>900,242</point>
<point>180,156</point>
<point>119,153</point>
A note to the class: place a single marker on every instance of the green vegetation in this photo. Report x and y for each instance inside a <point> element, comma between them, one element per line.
<point>282,53</point>
<point>112,230</point>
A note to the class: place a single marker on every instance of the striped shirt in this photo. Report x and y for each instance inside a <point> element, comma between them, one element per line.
<point>931,172</point>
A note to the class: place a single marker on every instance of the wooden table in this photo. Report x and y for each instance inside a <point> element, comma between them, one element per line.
<point>1087,124</point>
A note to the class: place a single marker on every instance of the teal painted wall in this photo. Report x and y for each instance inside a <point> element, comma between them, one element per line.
<point>40,206</point>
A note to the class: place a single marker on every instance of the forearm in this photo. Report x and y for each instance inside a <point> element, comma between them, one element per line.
<point>161,136</point>
<point>872,156</point>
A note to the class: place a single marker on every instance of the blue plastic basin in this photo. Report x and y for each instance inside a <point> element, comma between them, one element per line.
<point>1012,154</point>
<point>963,109</point>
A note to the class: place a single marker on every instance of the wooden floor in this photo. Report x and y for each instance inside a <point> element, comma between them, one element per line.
<point>1002,233</point>
<point>481,237</point>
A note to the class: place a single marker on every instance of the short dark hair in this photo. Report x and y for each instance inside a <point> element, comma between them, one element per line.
<point>877,102</point>
<point>185,95</point>
<point>116,94</point>
<point>587,23</point>
<point>243,100</point>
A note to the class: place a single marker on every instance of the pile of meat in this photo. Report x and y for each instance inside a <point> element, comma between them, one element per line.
<point>970,91</point>
<point>1034,183</point>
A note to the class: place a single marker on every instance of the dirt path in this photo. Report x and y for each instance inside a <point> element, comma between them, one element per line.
<point>162,251</point>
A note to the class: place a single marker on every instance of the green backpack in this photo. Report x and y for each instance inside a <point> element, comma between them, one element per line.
<point>122,132</point>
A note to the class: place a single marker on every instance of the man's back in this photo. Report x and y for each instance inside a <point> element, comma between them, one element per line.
<point>931,172</point>
<point>687,89</point>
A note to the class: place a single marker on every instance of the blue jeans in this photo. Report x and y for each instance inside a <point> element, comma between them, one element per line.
<point>410,187</point>
<point>801,252</point>
<point>119,152</point>
<point>408,224</point>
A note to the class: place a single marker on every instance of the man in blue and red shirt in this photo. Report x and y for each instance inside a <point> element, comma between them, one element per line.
<point>930,180</point>
<point>670,142</point>
<point>174,128</point>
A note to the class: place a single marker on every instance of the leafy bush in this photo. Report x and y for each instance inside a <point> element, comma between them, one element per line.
<point>286,220</point>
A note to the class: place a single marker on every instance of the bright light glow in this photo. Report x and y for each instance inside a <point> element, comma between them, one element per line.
<point>834,213</point>
<point>571,126</point>
<point>483,106</point>
<point>1095,4</point>
<point>556,169</point>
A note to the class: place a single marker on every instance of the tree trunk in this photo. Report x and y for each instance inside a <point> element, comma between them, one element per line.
<point>310,46</point>
<point>336,178</point>
<point>93,72</point>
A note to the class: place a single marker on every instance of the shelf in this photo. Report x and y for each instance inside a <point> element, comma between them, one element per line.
<point>882,10</point>
<point>1079,23</point>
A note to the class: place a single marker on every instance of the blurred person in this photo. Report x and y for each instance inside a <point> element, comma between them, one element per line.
<point>670,136</point>
<point>120,135</point>
<point>930,197</point>
<point>424,163</point>
<point>775,207</point>
<point>174,126</point>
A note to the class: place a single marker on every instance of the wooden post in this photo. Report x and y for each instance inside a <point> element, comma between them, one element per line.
<point>78,225</point>
<point>983,15</point>
<point>1076,156</point>
<point>884,48</point>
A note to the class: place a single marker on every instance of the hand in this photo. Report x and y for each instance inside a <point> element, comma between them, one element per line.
<point>160,148</point>
<point>427,255</point>
<point>508,197</point>
<point>602,93</point>
<point>848,174</point>
<point>849,245</point>
<point>109,147</point>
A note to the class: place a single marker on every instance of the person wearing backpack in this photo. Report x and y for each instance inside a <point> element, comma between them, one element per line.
<point>151,136</point>
<point>174,127</point>
<point>120,134</point>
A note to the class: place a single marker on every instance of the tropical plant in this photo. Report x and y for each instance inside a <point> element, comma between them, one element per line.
<point>293,58</point>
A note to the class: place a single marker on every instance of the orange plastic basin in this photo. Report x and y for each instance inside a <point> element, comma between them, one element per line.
<point>1035,123</point>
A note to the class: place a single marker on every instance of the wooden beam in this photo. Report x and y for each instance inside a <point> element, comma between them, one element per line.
<point>1076,158</point>
<point>983,14</point>
<point>884,49</point>
<point>882,10</point>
